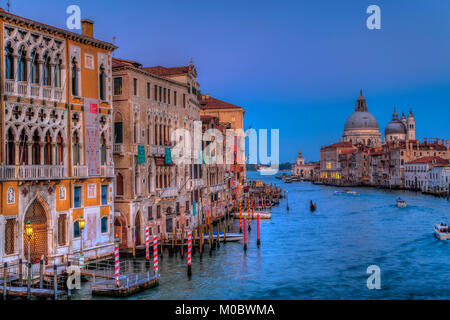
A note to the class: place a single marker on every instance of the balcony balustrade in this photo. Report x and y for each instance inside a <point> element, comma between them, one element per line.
<point>107,171</point>
<point>36,91</point>
<point>169,193</point>
<point>118,148</point>
<point>32,172</point>
<point>80,172</point>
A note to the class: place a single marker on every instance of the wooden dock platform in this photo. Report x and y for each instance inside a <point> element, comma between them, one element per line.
<point>38,293</point>
<point>127,287</point>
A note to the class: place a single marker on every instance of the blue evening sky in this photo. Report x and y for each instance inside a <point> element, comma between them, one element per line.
<point>293,65</point>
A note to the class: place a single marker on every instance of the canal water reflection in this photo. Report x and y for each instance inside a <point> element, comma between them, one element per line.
<point>323,255</point>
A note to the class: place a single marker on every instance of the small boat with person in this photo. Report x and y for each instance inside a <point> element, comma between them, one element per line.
<point>442,231</point>
<point>351,192</point>
<point>401,203</point>
<point>312,206</point>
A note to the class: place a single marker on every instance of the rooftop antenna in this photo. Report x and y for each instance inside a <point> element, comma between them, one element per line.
<point>8,4</point>
<point>114,43</point>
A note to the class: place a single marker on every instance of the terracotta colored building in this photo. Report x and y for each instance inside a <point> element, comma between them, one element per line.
<point>56,159</point>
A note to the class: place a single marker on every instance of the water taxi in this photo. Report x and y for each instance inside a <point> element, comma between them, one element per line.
<point>442,231</point>
<point>353,193</point>
<point>401,203</point>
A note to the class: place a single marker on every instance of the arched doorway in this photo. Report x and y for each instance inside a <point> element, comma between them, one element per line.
<point>38,241</point>
<point>120,231</point>
<point>137,224</point>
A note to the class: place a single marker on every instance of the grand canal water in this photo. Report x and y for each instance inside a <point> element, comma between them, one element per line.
<point>323,255</point>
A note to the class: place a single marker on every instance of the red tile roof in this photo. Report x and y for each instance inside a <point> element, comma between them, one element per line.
<point>165,72</point>
<point>208,102</point>
<point>116,62</point>
<point>425,160</point>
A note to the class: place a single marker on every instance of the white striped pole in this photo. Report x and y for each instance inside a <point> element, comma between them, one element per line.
<point>147,243</point>
<point>189,253</point>
<point>155,255</point>
<point>116,261</point>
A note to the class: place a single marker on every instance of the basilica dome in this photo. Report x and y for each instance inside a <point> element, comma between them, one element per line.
<point>361,120</point>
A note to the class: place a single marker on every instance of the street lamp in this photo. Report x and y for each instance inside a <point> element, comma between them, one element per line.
<point>29,234</point>
<point>81,224</point>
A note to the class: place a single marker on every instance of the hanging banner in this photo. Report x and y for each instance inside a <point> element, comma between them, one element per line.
<point>168,156</point>
<point>141,154</point>
<point>91,135</point>
<point>195,209</point>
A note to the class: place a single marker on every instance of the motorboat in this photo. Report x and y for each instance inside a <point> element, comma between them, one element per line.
<point>401,203</point>
<point>254,216</point>
<point>442,231</point>
<point>231,237</point>
<point>353,193</point>
<point>312,206</point>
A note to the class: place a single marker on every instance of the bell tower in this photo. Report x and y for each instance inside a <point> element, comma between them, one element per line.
<point>411,127</point>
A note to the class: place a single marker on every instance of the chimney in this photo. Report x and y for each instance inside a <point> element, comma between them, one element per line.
<point>448,143</point>
<point>87,28</point>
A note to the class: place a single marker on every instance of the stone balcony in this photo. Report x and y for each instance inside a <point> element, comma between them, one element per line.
<point>34,91</point>
<point>169,193</point>
<point>118,149</point>
<point>107,171</point>
<point>217,188</point>
<point>32,173</point>
<point>80,172</point>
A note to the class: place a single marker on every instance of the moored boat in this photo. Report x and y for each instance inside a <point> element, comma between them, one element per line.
<point>442,231</point>
<point>401,203</point>
<point>262,215</point>
<point>231,237</point>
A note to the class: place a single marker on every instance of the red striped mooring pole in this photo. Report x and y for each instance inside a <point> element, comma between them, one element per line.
<point>245,234</point>
<point>116,261</point>
<point>155,255</point>
<point>189,260</point>
<point>249,216</point>
<point>147,244</point>
<point>258,242</point>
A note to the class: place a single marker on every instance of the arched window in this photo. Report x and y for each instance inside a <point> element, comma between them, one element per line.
<point>47,76</point>
<point>9,62</point>
<point>58,72</point>
<point>36,150</point>
<point>34,67</point>
<point>76,150</point>
<point>135,128</point>
<point>119,185</point>
<point>23,148</point>
<point>22,64</point>
<point>74,78</point>
<point>60,150</point>
<point>48,150</point>
<point>10,148</point>
<point>102,83</point>
<point>103,149</point>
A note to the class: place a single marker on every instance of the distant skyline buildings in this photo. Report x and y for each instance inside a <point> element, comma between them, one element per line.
<point>294,65</point>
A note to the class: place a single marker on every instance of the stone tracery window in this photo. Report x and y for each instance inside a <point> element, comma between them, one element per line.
<point>22,64</point>
<point>9,63</point>
<point>75,89</point>
<point>10,148</point>
<point>47,75</point>
<point>102,83</point>
<point>58,67</point>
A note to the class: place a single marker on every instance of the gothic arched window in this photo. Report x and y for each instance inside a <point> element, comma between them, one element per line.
<point>74,78</point>
<point>103,149</point>
<point>34,67</point>
<point>76,150</point>
<point>119,185</point>
<point>36,149</point>
<point>58,72</point>
<point>10,148</point>
<point>48,149</point>
<point>23,148</point>
<point>9,62</point>
<point>47,76</point>
<point>60,150</point>
<point>102,83</point>
<point>22,64</point>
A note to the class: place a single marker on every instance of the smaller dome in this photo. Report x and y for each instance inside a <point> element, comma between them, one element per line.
<point>395,127</point>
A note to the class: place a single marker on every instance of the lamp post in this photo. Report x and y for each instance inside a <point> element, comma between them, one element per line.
<point>29,233</point>
<point>81,224</point>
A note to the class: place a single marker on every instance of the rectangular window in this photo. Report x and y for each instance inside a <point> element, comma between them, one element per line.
<point>175,98</point>
<point>155,94</point>
<point>160,94</point>
<point>62,229</point>
<point>118,86</point>
<point>104,195</point>
<point>118,132</point>
<point>150,213</point>
<point>148,90</point>
<point>77,197</point>
<point>184,100</point>
<point>164,95</point>
<point>135,86</point>
<point>158,212</point>
<point>10,231</point>
<point>168,96</point>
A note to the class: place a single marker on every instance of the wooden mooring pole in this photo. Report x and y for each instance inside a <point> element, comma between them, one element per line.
<point>20,272</point>
<point>55,281</point>
<point>41,273</point>
<point>5,280</point>
<point>69,290</point>
<point>245,235</point>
